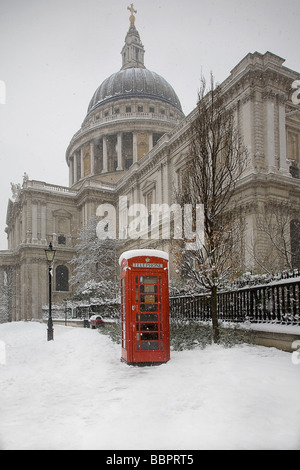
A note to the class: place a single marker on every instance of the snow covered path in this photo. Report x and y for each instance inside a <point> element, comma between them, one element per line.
<point>74,393</point>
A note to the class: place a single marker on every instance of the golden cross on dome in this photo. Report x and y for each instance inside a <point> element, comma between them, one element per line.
<point>132,17</point>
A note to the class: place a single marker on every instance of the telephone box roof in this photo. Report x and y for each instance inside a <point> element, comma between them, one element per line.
<point>143,252</point>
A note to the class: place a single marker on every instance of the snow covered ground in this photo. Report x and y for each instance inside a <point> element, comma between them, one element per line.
<point>74,393</point>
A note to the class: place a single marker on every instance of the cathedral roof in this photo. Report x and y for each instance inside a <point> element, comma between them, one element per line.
<point>134,80</point>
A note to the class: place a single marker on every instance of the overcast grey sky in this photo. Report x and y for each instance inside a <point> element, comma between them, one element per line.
<point>55,53</point>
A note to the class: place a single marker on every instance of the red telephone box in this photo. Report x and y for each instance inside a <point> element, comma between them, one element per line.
<point>145,307</point>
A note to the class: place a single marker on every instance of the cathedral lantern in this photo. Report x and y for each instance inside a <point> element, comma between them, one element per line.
<point>145,307</point>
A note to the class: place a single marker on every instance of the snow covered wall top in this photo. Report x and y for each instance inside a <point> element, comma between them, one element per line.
<point>143,252</point>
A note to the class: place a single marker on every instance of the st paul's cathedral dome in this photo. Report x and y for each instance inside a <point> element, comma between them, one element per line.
<point>127,115</point>
<point>134,82</point>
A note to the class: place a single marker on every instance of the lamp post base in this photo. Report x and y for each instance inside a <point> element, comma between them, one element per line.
<point>50,330</point>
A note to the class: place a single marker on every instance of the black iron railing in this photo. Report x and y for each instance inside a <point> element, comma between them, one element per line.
<point>276,302</point>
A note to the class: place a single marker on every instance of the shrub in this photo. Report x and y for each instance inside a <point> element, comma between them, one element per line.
<point>113,330</point>
<point>190,334</point>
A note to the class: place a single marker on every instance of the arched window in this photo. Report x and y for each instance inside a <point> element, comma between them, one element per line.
<point>295,242</point>
<point>62,278</point>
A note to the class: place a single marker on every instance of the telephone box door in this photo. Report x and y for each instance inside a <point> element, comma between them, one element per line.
<point>149,326</point>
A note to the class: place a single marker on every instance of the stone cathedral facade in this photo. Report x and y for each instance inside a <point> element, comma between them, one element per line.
<point>134,142</point>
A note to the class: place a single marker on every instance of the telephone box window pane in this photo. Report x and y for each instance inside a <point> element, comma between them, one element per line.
<point>149,298</point>
<point>148,289</point>
<point>149,317</point>
<point>148,336</point>
<point>153,346</point>
<point>149,279</point>
<point>148,307</point>
<point>149,326</point>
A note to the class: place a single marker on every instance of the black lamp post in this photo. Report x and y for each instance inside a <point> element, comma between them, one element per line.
<point>50,253</point>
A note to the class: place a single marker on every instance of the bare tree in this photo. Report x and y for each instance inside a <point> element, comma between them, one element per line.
<point>279,224</point>
<point>217,160</point>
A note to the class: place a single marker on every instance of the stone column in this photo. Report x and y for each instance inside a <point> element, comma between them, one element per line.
<point>282,137</point>
<point>150,141</point>
<point>134,144</point>
<point>119,151</point>
<point>71,171</point>
<point>43,223</point>
<point>24,223</point>
<point>270,135</point>
<point>246,129</point>
<point>75,168</point>
<point>81,163</point>
<point>92,153</point>
<point>35,280</point>
<point>29,222</point>
<point>105,167</point>
<point>34,222</point>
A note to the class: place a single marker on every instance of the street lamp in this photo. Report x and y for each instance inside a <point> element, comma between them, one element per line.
<point>50,253</point>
